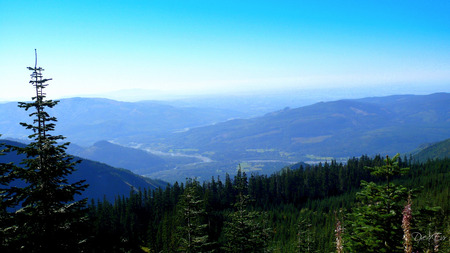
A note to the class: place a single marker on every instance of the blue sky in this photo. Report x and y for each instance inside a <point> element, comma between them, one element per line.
<point>190,47</point>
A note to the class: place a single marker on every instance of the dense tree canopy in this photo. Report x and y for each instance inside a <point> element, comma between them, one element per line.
<point>365,205</point>
<point>290,213</point>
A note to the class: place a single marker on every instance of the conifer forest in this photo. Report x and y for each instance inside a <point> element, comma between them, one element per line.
<point>366,204</point>
<point>295,210</point>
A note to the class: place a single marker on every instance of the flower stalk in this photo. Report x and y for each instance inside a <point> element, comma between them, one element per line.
<point>406,225</point>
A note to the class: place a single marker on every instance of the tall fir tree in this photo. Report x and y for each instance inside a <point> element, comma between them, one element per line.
<point>192,230</point>
<point>246,231</point>
<point>43,215</point>
<point>375,223</point>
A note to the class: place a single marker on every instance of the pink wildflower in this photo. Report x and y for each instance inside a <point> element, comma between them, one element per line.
<point>406,225</point>
<point>339,230</point>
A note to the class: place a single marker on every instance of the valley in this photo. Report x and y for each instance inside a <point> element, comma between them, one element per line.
<point>224,126</point>
<point>142,136</point>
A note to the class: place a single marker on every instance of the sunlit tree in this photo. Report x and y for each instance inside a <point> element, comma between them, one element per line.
<point>374,225</point>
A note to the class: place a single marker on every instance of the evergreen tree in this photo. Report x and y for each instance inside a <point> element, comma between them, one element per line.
<point>428,232</point>
<point>305,240</point>
<point>7,201</point>
<point>246,230</point>
<point>297,220</point>
<point>192,231</point>
<point>375,224</point>
<point>45,217</point>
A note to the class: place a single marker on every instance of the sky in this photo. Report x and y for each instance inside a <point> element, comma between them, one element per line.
<point>220,46</point>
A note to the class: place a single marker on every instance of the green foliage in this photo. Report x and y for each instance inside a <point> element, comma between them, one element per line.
<point>96,174</point>
<point>279,208</point>
<point>305,236</point>
<point>439,150</point>
<point>41,215</point>
<point>382,211</point>
<point>390,168</point>
<point>289,211</point>
<point>375,223</point>
<point>192,231</point>
<point>244,231</point>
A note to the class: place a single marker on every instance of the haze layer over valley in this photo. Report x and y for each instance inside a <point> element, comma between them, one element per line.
<point>173,140</point>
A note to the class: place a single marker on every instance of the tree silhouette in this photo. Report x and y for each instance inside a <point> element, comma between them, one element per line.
<point>43,215</point>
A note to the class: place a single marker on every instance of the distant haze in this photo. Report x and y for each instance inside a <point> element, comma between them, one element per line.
<point>224,47</point>
<point>310,94</point>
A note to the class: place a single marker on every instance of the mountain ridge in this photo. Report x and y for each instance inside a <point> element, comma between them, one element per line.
<point>104,180</point>
<point>319,132</point>
<point>87,120</point>
<point>437,150</point>
<point>332,123</point>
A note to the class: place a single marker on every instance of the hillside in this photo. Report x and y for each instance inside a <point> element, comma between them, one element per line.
<point>189,144</point>
<point>319,132</point>
<point>103,180</point>
<point>169,167</point>
<point>88,120</point>
<point>343,128</point>
<point>439,150</point>
<point>136,160</point>
<point>120,157</point>
<point>295,203</point>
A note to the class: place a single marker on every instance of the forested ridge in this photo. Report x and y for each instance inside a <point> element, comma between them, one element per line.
<point>368,204</point>
<point>295,210</point>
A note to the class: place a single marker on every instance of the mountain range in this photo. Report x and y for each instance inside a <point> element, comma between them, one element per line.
<point>136,160</point>
<point>341,128</point>
<point>104,181</point>
<point>109,182</point>
<point>85,121</point>
<point>171,142</point>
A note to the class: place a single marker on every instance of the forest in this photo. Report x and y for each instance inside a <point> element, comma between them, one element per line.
<point>367,204</point>
<point>299,209</point>
<point>295,210</point>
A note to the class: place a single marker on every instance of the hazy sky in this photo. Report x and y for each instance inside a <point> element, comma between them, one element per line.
<point>192,46</point>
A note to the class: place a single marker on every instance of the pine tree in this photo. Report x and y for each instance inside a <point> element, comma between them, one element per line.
<point>7,201</point>
<point>192,231</point>
<point>375,224</point>
<point>428,230</point>
<point>246,230</point>
<point>45,217</point>
<point>305,236</point>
